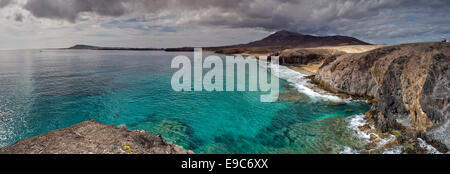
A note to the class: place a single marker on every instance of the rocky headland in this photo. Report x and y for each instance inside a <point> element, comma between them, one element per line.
<point>409,86</point>
<point>91,137</point>
<point>309,60</point>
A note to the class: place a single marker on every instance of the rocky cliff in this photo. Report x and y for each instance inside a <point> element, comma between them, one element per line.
<point>409,85</point>
<point>302,56</point>
<point>91,137</point>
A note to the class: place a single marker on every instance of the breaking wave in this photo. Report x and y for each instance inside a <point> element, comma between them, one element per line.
<point>303,85</point>
<point>354,124</point>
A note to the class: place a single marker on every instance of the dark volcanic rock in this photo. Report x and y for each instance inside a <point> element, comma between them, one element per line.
<point>89,47</point>
<point>303,56</point>
<point>83,47</point>
<point>435,97</point>
<point>182,49</point>
<point>289,38</point>
<point>283,39</point>
<point>91,137</point>
<point>410,82</point>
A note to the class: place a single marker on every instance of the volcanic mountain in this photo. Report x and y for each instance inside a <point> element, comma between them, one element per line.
<point>286,39</point>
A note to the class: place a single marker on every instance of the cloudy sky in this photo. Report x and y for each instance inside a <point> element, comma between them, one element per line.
<point>173,23</point>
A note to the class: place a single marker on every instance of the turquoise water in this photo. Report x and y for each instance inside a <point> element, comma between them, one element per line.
<point>44,91</point>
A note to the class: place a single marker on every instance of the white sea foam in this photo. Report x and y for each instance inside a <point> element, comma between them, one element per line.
<point>393,150</point>
<point>354,123</point>
<point>303,85</point>
<point>428,147</point>
<point>349,150</point>
<point>357,121</point>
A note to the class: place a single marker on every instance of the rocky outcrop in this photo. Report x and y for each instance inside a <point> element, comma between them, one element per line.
<point>303,56</point>
<point>409,85</point>
<point>91,137</point>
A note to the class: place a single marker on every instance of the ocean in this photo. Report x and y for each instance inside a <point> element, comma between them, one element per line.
<point>41,91</point>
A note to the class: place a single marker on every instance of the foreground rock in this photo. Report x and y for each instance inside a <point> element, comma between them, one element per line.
<point>408,84</point>
<point>91,137</point>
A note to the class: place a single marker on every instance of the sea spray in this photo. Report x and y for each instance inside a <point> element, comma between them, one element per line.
<point>355,123</point>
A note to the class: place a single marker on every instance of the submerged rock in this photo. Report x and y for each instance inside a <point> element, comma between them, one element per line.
<point>329,135</point>
<point>410,84</point>
<point>174,131</point>
<point>91,137</point>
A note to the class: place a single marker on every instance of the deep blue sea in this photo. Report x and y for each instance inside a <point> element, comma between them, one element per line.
<point>41,91</point>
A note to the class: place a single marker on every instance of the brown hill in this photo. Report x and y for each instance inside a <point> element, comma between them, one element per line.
<point>284,40</point>
<point>288,38</point>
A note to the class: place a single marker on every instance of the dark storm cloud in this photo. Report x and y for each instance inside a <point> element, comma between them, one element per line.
<point>353,17</point>
<point>271,14</point>
<point>4,3</point>
<point>303,15</point>
<point>70,9</point>
<point>18,17</point>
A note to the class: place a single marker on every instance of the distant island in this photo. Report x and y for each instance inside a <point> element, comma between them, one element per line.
<point>89,47</point>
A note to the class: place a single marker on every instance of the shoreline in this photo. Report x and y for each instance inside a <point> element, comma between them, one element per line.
<point>376,141</point>
<point>92,137</point>
<point>309,69</point>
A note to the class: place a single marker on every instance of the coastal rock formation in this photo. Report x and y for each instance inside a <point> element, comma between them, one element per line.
<point>91,137</point>
<point>309,60</point>
<point>302,56</point>
<point>409,85</point>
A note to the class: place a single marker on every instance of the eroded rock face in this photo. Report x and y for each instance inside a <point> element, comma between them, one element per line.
<point>91,137</point>
<point>302,56</point>
<point>410,84</point>
<point>435,97</point>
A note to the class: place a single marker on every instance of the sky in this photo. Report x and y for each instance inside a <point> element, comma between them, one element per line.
<point>30,24</point>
